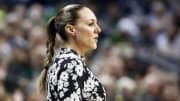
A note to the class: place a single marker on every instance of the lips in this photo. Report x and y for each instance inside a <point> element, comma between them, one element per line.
<point>96,39</point>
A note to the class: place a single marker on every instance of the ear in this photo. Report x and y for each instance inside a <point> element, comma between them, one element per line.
<point>70,29</point>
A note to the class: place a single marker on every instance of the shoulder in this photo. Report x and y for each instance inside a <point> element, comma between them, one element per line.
<point>69,63</point>
<point>66,59</point>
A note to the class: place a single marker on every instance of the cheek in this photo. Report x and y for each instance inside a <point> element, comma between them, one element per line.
<point>86,41</point>
<point>85,37</point>
<point>85,33</point>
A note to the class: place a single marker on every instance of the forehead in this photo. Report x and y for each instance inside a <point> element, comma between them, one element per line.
<point>86,14</point>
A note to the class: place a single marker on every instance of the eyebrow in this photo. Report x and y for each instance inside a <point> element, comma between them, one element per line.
<point>93,20</point>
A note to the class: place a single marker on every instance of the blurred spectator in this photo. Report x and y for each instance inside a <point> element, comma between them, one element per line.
<point>160,18</point>
<point>150,85</point>
<point>5,48</point>
<point>32,93</point>
<point>169,43</point>
<point>37,58</point>
<point>35,14</point>
<point>108,81</point>
<point>19,69</point>
<point>170,91</point>
<point>147,39</point>
<point>137,59</point>
<point>18,95</point>
<point>126,88</point>
<point>4,95</point>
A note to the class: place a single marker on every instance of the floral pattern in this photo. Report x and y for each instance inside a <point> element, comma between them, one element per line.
<point>69,79</point>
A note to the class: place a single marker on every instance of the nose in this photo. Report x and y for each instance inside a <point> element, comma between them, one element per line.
<point>98,28</point>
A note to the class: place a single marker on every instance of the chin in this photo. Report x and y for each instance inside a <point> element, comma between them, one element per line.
<point>94,47</point>
<point>91,47</point>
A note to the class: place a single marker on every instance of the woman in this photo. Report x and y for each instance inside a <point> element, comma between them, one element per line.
<point>66,76</point>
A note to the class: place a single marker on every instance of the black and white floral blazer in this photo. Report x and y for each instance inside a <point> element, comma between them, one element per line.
<point>69,79</point>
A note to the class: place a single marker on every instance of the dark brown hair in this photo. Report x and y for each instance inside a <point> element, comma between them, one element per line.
<point>66,15</point>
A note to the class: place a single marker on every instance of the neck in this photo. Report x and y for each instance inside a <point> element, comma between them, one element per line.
<point>74,46</point>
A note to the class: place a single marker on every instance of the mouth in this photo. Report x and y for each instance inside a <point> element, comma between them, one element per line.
<point>96,39</point>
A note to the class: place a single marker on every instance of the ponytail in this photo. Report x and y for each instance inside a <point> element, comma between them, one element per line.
<point>51,31</point>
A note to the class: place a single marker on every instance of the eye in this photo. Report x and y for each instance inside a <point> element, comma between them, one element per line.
<point>91,24</point>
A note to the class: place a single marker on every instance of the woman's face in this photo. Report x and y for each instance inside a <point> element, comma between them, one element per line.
<point>87,30</point>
